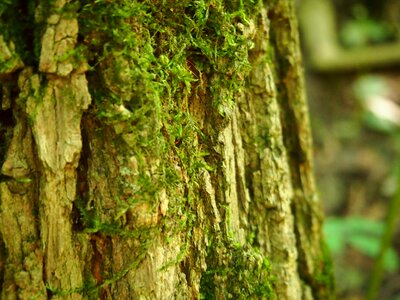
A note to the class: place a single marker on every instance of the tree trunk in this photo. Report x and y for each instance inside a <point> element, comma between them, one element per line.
<point>156,150</point>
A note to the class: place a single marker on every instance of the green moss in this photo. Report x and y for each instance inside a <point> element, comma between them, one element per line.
<point>152,56</point>
<point>324,275</point>
<point>236,272</point>
<point>149,59</point>
<point>169,46</point>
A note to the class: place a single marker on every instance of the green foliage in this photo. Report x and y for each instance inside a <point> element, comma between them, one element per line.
<point>361,234</point>
<point>363,30</point>
<point>4,5</point>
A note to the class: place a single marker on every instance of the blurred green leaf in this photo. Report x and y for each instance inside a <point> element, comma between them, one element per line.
<point>360,233</point>
<point>362,30</point>
<point>391,260</point>
<point>367,226</point>
<point>379,124</point>
<point>369,85</point>
<point>334,232</point>
<point>368,245</point>
<point>379,112</point>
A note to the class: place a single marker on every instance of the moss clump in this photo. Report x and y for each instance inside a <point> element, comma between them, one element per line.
<point>149,60</point>
<point>156,50</point>
<point>324,276</point>
<point>236,272</point>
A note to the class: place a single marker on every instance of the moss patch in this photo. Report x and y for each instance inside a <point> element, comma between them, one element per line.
<point>236,272</point>
<point>324,276</point>
<point>149,61</point>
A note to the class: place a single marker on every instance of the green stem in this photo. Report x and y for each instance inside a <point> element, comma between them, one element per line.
<point>386,240</point>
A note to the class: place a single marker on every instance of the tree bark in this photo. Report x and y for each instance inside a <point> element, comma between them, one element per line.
<point>156,150</point>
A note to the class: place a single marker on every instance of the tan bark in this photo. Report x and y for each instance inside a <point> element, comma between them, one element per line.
<point>177,166</point>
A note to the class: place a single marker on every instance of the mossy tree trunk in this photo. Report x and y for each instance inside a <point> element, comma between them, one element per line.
<point>156,150</point>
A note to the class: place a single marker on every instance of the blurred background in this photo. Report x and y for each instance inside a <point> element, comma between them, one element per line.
<point>352,61</point>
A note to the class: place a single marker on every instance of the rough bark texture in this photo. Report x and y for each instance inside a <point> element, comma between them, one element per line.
<point>156,150</point>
